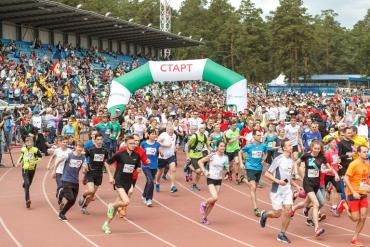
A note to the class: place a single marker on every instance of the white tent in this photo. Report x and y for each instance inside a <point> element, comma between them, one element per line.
<point>279,81</point>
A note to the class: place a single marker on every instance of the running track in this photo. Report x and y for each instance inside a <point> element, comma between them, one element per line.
<point>172,221</point>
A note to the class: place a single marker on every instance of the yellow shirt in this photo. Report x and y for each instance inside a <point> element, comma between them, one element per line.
<point>76,125</point>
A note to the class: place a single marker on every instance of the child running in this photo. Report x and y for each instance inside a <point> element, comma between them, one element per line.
<point>29,158</point>
<point>218,161</point>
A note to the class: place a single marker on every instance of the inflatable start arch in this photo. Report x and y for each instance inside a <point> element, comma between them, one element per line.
<point>185,70</point>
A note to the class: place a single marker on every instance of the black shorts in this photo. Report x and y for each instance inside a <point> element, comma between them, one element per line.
<point>126,187</point>
<point>94,177</point>
<point>336,184</point>
<point>162,163</point>
<point>215,182</point>
<point>232,155</point>
<point>310,187</point>
<point>253,175</point>
<point>194,163</point>
<point>295,148</point>
<point>269,155</point>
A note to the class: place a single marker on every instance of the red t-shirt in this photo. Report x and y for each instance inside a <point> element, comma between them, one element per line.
<point>97,120</point>
<point>144,159</point>
<point>368,118</point>
<point>245,131</point>
<point>224,127</point>
<point>331,156</point>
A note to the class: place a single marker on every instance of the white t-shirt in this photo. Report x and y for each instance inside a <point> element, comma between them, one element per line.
<point>166,139</point>
<point>61,155</point>
<point>281,168</point>
<point>292,133</point>
<point>138,129</point>
<point>195,121</point>
<point>363,131</point>
<point>282,112</point>
<point>273,113</point>
<point>217,164</point>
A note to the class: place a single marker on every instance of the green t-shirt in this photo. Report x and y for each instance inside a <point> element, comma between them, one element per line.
<point>196,152</point>
<point>234,146</point>
<point>116,130</point>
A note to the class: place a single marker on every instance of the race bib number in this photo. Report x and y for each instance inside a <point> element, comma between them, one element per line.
<point>257,154</point>
<point>151,151</point>
<point>28,156</point>
<point>313,173</point>
<point>127,168</point>
<point>269,145</point>
<point>336,159</point>
<point>364,186</point>
<point>75,163</point>
<point>107,131</point>
<point>99,157</point>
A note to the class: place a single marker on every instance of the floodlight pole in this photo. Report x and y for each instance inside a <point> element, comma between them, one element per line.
<point>165,21</point>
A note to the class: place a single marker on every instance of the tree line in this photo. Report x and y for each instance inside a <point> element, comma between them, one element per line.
<point>288,40</point>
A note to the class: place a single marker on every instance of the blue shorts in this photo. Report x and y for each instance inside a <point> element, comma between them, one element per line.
<point>162,163</point>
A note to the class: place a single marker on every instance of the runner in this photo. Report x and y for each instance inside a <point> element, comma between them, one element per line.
<point>167,157</point>
<point>28,159</point>
<point>256,157</point>
<point>70,179</point>
<point>151,147</point>
<point>280,173</point>
<point>196,145</point>
<point>218,161</point>
<point>61,153</point>
<point>96,159</point>
<point>231,138</point>
<point>358,186</point>
<point>127,162</point>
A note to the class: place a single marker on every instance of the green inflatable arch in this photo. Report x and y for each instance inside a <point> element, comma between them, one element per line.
<point>184,70</point>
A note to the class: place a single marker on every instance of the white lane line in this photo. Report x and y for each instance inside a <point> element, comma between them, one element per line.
<point>335,226</point>
<point>10,233</point>
<point>56,212</point>
<point>140,227</point>
<point>248,218</point>
<point>199,224</point>
<point>5,173</point>
<point>121,233</point>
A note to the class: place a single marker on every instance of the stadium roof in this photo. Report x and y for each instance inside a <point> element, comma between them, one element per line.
<point>56,16</point>
<point>335,77</point>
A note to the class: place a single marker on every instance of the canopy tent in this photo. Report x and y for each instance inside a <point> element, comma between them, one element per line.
<point>202,69</point>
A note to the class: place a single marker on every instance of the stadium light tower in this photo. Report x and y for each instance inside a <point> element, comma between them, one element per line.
<point>165,20</point>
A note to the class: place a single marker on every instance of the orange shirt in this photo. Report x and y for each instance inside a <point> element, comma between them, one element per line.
<point>358,173</point>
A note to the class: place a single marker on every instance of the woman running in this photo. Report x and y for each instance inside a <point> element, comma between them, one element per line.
<point>270,139</point>
<point>215,137</point>
<point>218,161</point>
<point>151,147</point>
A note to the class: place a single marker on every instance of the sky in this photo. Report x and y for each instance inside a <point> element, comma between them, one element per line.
<point>349,11</point>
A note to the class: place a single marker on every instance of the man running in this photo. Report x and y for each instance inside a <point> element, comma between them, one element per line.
<point>231,137</point>
<point>29,158</point>
<point>167,157</point>
<point>256,156</point>
<point>280,173</point>
<point>96,158</point>
<point>358,186</point>
<point>128,161</point>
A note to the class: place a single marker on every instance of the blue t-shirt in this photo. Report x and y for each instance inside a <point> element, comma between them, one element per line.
<point>151,151</point>
<point>253,161</point>
<point>308,137</point>
<point>72,168</point>
<point>269,140</point>
<point>69,130</point>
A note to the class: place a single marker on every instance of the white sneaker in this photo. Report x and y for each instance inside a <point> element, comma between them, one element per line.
<point>149,203</point>
<point>144,200</point>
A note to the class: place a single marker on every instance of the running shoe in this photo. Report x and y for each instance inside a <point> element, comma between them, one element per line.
<point>84,211</point>
<point>173,189</point>
<point>309,222</point>
<point>340,206</point>
<point>283,238</point>
<point>322,217</point>
<point>357,243</point>
<point>144,199</point>
<point>305,211</point>
<point>205,221</point>
<point>334,211</point>
<point>157,187</point>
<point>106,228</point>
<point>149,203</point>
<point>28,204</point>
<point>263,218</point>
<point>195,187</point>
<point>62,217</point>
<point>110,211</point>
<point>240,180</point>
<point>203,208</point>
<point>190,177</point>
<point>81,202</point>
<point>319,232</point>
<point>257,212</point>
<point>187,178</point>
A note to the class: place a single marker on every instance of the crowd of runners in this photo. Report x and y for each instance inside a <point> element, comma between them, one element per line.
<point>313,148</point>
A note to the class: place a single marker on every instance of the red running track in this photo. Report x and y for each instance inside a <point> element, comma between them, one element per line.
<point>172,221</point>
